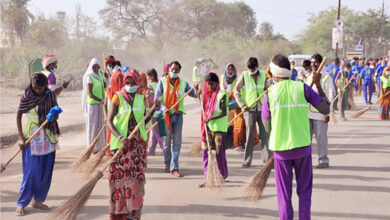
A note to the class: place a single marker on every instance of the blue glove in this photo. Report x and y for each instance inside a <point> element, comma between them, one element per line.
<point>53,111</point>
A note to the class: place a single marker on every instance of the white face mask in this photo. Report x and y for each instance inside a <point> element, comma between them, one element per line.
<point>254,73</point>
<point>131,89</point>
<point>388,73</point>
<point>53,70</point>
<point>109,69</point>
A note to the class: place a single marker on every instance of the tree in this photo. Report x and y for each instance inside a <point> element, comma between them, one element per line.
<point>266,31</point>
<point>15,19</point>
<point>48,33</point>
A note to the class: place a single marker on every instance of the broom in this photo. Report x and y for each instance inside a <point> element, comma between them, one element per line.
<point>319,69</point>
<point>332,116</point>
<point>71,208</point>
<point>196,147</point>
<point>213,178</point>
<point>361,112</point>
<point>90,165</point>
<point>87,153</point>
<point>49,118</point>
<point>254,188</point>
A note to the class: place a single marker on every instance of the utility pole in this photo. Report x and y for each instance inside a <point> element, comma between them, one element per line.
<point>338,18</point>
<point>383,28</point>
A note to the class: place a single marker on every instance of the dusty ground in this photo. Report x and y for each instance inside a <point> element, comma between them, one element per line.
<point>356,186</point>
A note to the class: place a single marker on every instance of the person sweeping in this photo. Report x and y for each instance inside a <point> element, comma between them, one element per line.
<point>285,116</point>
<point>384,110</point>
<point>39,155</point>
<point>127,173</point>
<point>92,103</point>
<point>215,123</point>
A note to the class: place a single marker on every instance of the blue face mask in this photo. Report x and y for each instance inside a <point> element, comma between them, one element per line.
<point>173,75</point>
<point>53,70</point>
<point>131,89</point>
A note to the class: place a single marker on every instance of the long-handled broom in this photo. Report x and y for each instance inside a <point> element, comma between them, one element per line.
<point>196,147</point>
<point>332,116</point>
<point>49,118</point>
<point>213,178</point>
<point>87,153</point>
<point>361,112</point>
<point>89,166</point>
<point>71,208</point>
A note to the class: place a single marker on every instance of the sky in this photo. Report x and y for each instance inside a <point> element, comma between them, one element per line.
<point>288,17</point>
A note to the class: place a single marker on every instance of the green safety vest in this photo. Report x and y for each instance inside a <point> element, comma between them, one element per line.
<point>289,116</point>
<point>33,121</point>
<point>97,88</point>
<point>121,120</point>
<point>181,92</point>
<point>323,85</point>
<point>220,124</point>
<point>153,85</point>
<point>385,81</point>
<point>195,76</point>
<point>251,89</point>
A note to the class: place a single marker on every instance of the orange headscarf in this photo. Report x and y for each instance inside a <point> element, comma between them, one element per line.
<point>171,98</point>
<point>117,83</point>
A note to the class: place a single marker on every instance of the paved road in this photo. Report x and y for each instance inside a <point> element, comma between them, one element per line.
<point>355,187</point>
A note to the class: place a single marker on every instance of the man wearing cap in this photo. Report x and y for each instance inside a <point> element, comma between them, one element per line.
<point>49,64</point>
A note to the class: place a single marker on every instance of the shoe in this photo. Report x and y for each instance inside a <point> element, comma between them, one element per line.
<point>246,165</point>
<point>19,211</point>
<point>177,174</point>
<point>226,180</point>
<point>239,148</point>
<point>202,185</point>
<point>370,103</point>
<point>39,205</point>
<point>322,165</point>
<point>167,169</point>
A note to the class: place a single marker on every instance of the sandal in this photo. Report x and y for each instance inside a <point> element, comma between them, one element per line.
<point>19,211</point>
<point>202,185</point>
<point>177,174</point>
<point>39,205</point>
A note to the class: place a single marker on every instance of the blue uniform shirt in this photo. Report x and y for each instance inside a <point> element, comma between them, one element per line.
<point>379,72</point>
<point>367,73</point>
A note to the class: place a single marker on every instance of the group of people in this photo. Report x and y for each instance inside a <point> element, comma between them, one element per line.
<point>280,113</point>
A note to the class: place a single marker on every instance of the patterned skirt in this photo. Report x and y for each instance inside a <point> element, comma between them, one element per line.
<point>384,110</point>
<point>127,181</point>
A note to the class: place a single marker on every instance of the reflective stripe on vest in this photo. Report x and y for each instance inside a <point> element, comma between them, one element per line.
<point>251,90</point>
<point>180,93</point>
<point>97,88</point>
<point>33,121</point>
<point>289,116</point>
<point>220,124</point>
<point>121,120</point>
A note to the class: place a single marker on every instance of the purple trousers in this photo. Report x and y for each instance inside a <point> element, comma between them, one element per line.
<point>221,160</point>
<point>304,178</point>
<point>155,138</point>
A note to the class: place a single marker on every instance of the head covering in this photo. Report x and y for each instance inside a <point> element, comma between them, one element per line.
<point>143,80</point>
<point>279,71</point>
<point>166,69</point>
<point>117,84</point>
<point>85,84</point>
<point>209,101</point>
<point>109,60</point>
<point>44,102</point>
<point>133,73</point>
<point>226,70</point>
<point>48,59</point>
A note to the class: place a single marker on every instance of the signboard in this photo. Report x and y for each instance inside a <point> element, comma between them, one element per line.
<point>337,37</point>
<point>359,48</point>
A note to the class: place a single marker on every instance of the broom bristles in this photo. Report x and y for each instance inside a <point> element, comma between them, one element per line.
<point>71,208</point>
<point>332,118</point>
<point>214,179</point>
<point>360,113</point>
<point>90,166</point>
<point>84,157</point>
<point>254,188</point>
<point>196,149</point>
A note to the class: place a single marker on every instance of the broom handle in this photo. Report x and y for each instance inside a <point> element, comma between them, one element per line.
<point>151,127</point>
<point>205,129</point>
<point>384,95</point>
<point>97,136</point>
<point>319,69</point>
<point>342,90</point>
<point>242,112</point>
<point>27,142</point>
